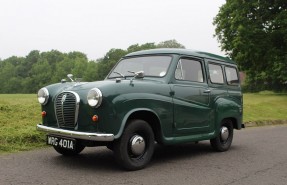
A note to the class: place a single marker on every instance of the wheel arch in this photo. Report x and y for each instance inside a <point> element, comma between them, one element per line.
<point>227,109</point>
<point>147,115</point>
<point>234,122</point>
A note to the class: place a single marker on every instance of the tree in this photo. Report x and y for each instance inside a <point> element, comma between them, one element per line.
<point>137,47</point>
<point>53,57</point>
<point>41,74</point>
<point>7,77</point>
<point>255,36</point>
<point>80,67</point>
<point>91,73</point>
<point>170,44</point>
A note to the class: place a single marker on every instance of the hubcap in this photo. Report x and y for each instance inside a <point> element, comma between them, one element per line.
<point>137,144</point>
<point>224,133</point>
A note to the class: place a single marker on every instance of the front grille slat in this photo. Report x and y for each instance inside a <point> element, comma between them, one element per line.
<point>66,109</point>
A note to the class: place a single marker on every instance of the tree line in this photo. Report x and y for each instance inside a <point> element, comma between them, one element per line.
<point>38,69</point>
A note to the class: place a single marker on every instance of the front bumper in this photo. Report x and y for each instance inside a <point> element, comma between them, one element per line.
<point>75,134</point>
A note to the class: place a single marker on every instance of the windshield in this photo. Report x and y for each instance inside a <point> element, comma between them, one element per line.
<point>155,66</point>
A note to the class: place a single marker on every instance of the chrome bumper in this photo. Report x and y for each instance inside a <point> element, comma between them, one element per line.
<point>75,134</point>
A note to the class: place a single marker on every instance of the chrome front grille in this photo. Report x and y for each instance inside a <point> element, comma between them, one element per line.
<point>67,109</point>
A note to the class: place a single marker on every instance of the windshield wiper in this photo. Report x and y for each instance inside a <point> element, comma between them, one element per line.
<point>120,74</point>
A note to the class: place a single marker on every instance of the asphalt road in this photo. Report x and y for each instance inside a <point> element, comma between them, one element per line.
<point>257,156</point>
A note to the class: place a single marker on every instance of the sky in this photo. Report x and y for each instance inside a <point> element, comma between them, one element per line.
<point>94,27</point>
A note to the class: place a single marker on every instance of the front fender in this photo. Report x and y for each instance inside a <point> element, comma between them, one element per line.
<point>158,105</point>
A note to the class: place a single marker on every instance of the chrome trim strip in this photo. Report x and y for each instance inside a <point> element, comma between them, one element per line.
<point>77,135</point>
<point>77,108</point>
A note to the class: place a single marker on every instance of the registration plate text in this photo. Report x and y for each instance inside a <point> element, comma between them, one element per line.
<point>61,142</point>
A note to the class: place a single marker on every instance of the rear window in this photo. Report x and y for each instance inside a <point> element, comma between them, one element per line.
<point>231,76</point>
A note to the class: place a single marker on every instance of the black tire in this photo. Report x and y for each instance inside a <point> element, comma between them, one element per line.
<point>66,152</point>
<point>123,149</point>
<point>110,147</point>
<point>219,144</point>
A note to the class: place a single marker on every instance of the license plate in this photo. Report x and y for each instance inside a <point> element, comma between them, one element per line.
<point>61,142</point>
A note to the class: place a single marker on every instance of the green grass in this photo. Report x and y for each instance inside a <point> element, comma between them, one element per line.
<point>19,114</point>
<point>264,106</point>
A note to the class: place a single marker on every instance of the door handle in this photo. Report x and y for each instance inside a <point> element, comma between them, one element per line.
<point>207,91</point>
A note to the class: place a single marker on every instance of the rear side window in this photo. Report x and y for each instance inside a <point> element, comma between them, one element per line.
<point>216,73</point>
<point>231,76</point>
<point>189,70</point>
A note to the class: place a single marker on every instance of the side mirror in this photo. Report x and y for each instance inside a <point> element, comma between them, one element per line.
<point>139,74</point>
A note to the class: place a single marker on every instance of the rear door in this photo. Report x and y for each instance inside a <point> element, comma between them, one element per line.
<point>217,87</point>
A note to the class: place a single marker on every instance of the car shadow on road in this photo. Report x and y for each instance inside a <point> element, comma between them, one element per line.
<point>95,159</point>
<point>180,152</point>
<point>102,159</point>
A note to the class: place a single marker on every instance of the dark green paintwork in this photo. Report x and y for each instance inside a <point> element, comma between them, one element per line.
<point>181,109</point>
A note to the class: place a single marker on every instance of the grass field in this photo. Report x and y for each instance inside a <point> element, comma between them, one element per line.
<point>264,106</point>
<point>20,113</point>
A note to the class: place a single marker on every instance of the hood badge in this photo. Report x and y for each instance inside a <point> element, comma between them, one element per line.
<point>64,98</point>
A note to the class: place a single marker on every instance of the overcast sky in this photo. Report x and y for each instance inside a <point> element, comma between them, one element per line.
<point>94,27</point>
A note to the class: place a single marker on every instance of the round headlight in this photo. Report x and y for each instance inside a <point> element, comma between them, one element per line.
<point>43,96</point>
<point>95,97</point>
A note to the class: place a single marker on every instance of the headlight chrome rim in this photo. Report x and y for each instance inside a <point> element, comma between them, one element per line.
<point>43,96</point>
<point>94,97</point>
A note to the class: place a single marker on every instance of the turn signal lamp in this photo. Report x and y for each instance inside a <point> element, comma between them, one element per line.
<point>95,118</point>
<point>44,113</point>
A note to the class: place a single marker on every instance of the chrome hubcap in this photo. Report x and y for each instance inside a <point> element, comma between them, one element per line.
<point>224,133</point>
<point>137,144</point>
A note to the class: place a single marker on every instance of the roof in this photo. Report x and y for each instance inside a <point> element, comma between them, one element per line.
<point>181,52</point>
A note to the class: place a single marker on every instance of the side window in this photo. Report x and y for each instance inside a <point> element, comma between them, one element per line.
<point>215,73</point>
<point>190,70</point>
<point>231,76</point>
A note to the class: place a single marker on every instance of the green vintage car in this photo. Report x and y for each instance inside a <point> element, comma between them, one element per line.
<point>167,96</point>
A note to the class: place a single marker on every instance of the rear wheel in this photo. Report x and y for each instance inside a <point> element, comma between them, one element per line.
<point>135,148</point>
<point>67,152</point>
<point>224,139</point>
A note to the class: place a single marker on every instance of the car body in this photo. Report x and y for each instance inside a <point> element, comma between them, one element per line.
<point>170,96</point>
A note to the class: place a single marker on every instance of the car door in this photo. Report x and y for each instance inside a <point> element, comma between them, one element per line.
<point>218,90</point>
<point>190,97</point>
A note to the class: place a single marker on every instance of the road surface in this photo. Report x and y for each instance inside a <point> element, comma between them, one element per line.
<point>257,156</point>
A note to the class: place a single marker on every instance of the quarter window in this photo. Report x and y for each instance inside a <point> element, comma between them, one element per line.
<point>190,70</point>
<point>231,76</point>
<point>216,74</point>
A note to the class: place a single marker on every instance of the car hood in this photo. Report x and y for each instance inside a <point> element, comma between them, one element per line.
<point>87,85</point>
<point>55,89</point>
<point>107,86</point>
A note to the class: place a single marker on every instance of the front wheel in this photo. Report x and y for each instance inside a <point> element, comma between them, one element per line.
<point>135,148</point>
<point>224,139</point>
